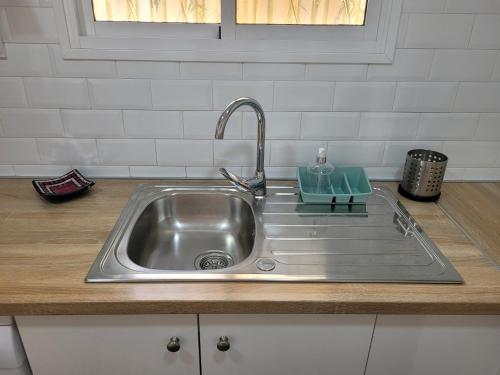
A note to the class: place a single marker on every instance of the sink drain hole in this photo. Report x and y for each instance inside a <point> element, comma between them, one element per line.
<point>213,260</point>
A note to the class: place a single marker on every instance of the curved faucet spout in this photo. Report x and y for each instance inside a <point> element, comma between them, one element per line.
<point>256,185</point>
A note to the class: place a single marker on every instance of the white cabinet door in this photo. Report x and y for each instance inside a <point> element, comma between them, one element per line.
<point>435,345</point>
<point>110,345</point>
<point>286,344</point>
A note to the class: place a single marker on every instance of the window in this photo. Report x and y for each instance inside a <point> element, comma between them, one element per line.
<point>300,12</point>
<point>251,12</point>
<point>314,31</point>
<point>183,11</point>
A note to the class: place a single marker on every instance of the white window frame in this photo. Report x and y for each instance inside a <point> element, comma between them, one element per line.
<point>83,38</point>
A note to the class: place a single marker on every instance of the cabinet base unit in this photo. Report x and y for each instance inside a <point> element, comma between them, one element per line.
<point>435,345</point>
<point>285,344</point>
<point>111,344</point>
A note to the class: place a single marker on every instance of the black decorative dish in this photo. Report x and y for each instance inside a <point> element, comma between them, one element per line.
<point>62,188</point>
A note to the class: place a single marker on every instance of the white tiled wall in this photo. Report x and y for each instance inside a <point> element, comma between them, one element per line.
<point>157,119</point>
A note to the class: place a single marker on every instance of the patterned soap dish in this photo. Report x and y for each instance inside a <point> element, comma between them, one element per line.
<point>65,187</point>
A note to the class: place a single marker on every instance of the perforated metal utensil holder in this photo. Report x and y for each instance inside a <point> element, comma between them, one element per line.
<point>423,175</point>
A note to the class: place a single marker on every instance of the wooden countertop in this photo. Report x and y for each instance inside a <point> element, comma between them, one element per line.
<point>46,250</point>
<point>476,209</point>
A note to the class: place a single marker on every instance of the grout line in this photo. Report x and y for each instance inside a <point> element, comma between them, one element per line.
<point>431,67</point>
<point>495,63</point>
<point>155,145</point>
<point>469,39</point>
<point>122,115</point>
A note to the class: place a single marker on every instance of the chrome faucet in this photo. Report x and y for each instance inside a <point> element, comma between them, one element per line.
<point>257,184</point>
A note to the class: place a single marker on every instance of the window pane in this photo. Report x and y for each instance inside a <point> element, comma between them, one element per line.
<point>301,12</point>
<point>184,11</point>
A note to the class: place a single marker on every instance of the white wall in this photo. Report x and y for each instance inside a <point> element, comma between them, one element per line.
<point>157,119</point>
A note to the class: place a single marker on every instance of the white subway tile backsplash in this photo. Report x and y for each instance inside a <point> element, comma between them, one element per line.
<point>227,91</point>
<point>336,72</point>
<point>18,151</point>
<point>157,118</point>
<point>438,30</point>
<point>496,69</point>
<point>403,28</point>
<point>384,173</point>
<point>425,97</point>
<point>41,170</point>
<point>237,153</point>
<point>103,171</point>
<point>489,127</point>
<point>294,153</point>
<point>30,25</point>
<point>363,153</point>
<point>408,65</point>
<point>303,96</point>
<point>209,172</point>
<point>279,125</point>
<point>79,68</point>
<point>423,6</point>
<point>444,126</point>
<point>154,171</point>
<point>67,151</point>
<point>388,126</point>
<point>208,70</point>
<point>182,95</point>
<point>463,65</point>
<point>26,60</point>
<point>395,151</point>
<point>57,92</point>
<point>202,124</point>
<point>12,92</point>
<point>152,124</point>
<point>120,93</point>
<point>482,174</point>
<point>486,31</point>
<point>273,172</point>
<point>476,6</point>
<point>364,96</point>
<point>275,72</point>
<point>148,69</point>
<point>328,126</point>
<point>454,174</point>
<point>185,152</point>
<point>93,124</point>
<point>31,123</point>
<point>7,171</point>
<point>478,97</point>
<point>127,151</point>
<point>471,154</point>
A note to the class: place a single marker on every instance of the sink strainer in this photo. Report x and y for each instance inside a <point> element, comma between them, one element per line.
<point>213,260</point>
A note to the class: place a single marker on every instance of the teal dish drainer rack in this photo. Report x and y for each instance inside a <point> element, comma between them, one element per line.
<point>347,185</point>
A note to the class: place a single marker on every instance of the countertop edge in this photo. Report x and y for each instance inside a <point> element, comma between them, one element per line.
<point>250,307</point>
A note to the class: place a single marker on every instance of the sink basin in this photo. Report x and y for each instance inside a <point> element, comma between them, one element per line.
<point>189,233</point>
<point>192,231</point>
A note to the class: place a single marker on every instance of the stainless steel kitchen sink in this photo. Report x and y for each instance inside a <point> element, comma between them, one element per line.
<point>220,233</point>
<point>192,230</point>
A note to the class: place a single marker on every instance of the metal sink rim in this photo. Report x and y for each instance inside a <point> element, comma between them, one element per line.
<point>108,267</point>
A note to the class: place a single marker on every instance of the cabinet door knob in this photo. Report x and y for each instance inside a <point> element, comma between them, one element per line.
<point>223,345</point>
<point>174,344</point>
